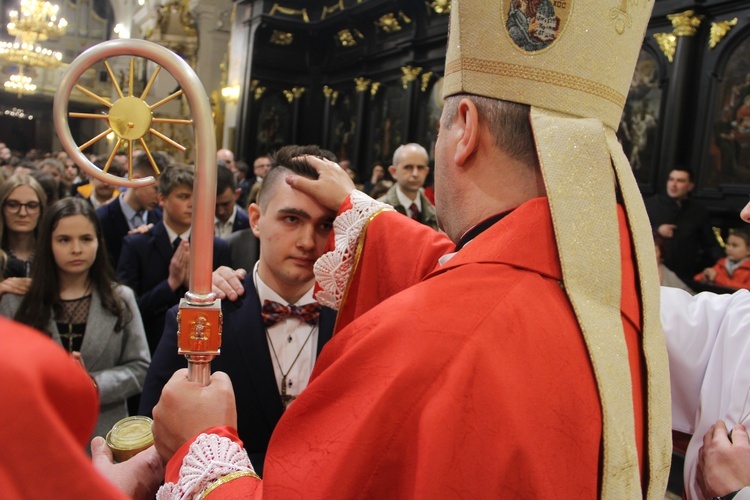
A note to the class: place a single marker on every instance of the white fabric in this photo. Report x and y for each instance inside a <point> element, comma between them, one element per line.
<point>298,331</point>
<point>708,340</point>
<point>333,269</point>
<point>224,229</point>
<point>173,234</point>
<point>406,201</point>
<point>210,457</point>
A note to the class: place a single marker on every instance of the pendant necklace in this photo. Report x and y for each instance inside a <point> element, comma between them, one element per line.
<point>76,311</point>
<point>286,399</point>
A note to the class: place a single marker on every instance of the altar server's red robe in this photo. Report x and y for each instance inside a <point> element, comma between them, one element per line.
<point>473,383</point>
<point>50,407</point>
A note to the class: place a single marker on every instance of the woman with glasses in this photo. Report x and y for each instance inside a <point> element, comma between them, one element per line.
<point>74,299</point>
<point>22,201</point>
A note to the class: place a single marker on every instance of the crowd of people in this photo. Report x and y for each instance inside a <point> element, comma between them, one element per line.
<point>366,353</point>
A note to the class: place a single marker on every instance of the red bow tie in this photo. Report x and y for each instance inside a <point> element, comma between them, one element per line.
<point>273,312</point>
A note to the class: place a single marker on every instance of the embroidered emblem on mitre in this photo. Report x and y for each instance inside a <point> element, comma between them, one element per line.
<point>534,25</point>
<point>569,56</point>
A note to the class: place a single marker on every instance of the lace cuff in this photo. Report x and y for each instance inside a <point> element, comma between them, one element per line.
<point>333,269</point>
<point>210,458</point>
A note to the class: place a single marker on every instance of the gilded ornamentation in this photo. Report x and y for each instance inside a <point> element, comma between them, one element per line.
<point>425,80</point>
<point>331,94</point>
<point>281,38</point>
<point>346,37</point>
<point>410,74</point>
<point>177,10</point>
<point>258,92</point>
<point>440,7</point>
<point>390,23</point>
<point>374,89</point>
<point>362,83</point>
<point>719,31</point>
<point>294,93</point>
<point>333,8</point>
<point>289,12</point>
<point>685,23</point>
<point>667,43</point>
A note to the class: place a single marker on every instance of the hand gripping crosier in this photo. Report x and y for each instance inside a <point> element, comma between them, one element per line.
<point>130,118</point>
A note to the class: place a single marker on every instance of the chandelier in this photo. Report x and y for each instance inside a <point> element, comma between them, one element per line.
<point>29,55</point>
<point>37,22</point>
<point>19,84</point>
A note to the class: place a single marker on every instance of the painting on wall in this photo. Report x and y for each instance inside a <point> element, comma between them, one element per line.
<point>730,139</point>
<point>343,125</point>
<point>638,126</point>
<point>274,124</point>
<point>386,122</point>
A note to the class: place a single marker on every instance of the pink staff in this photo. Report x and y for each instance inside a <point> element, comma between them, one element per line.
<point>130,118</point>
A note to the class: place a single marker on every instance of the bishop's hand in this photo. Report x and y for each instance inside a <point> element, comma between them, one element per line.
<point>331,188</point>
<point>187,408</point>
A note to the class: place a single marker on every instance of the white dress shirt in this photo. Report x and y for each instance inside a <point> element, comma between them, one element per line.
<point>288,338</point>
<point>224,229</point>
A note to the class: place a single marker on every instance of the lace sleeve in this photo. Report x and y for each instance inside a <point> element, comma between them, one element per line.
<point>210,458</point>
<point>333,269</point>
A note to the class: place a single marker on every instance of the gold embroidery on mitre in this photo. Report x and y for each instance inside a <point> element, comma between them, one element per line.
<point>534,25</point>
<point>621,17</point>
<point>536,74</point>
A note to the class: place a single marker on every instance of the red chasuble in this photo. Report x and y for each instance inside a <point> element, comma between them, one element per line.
<point>50,410</point>
<point>474,382</point>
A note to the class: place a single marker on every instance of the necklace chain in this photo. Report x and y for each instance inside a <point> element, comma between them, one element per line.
<point>286,399</point>
<point>76,309</point>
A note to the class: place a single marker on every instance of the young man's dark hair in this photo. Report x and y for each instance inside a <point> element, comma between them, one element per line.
<point>142,164</point>
<point>175,176</point>
<point>289,159</point>
<point>687,170</point>
<point>224,180</point>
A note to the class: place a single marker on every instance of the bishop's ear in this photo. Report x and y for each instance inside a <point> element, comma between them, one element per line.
<point>467,128</point>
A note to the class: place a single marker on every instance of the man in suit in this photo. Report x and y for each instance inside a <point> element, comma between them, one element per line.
<point>269,363</point>
<point>229,216</point>
<point>134,208</point>
<point>410,169</point>
<point>685,226</point>
<point>260,169</point>
<point>155,264</point>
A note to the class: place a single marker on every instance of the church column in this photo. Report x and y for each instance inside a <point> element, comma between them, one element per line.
<point>677,125</point>
<point>362,88</point>
<point>246,23</point>
<point>411,86</point>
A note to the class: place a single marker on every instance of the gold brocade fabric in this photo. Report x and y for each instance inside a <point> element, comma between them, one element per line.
<point>577,56</point>
<point>577,170</point>
<point>654,348</point>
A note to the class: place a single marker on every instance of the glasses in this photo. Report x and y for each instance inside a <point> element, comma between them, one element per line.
<point>14,206</point>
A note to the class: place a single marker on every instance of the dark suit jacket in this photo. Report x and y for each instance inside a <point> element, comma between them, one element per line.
<point>115,227</point>
<point>241,220</point>
<point>144,267</point>
<point>245,357</point>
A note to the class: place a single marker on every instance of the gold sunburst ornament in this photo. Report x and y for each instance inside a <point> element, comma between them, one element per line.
<point>130,118</point>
